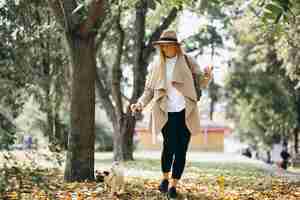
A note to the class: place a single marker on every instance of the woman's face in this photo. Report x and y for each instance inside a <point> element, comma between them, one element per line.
<point>170,50</point>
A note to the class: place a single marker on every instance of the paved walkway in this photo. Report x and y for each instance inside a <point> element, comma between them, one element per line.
<point>287,175</point>
<point>203,157</point>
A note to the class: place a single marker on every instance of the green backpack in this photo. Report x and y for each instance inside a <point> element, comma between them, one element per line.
<point>195,78</point>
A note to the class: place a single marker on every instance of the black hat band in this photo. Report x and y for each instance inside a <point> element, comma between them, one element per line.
<point>168,39</point>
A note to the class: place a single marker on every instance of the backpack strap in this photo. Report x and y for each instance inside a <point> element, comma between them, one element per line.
<point>189,64</point>
<point>195,78</point>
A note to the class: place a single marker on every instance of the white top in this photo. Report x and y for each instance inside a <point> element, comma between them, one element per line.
<point>175,100</point>
<point>275,152</point>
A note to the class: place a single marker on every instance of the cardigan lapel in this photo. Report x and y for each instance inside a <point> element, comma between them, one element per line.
<point>183,79</point>
<point>177,76</point>
<point>179,71</point>
<point>180,81</point>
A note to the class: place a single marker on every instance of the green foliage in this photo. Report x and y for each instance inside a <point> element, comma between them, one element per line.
<point>262,100</point>
<point>277,10</point>
<point>279,19</point>
<point>7,129</point>
<point>262,106</point>
<point>207,36</point>
<point>7,138</point>
<point>25,53</point>
<point>32,58</point>
<point>277,16</point>
<point>104,140</point>
<point>176,3</point>
<point>81,9</point>
<point>3,184</point>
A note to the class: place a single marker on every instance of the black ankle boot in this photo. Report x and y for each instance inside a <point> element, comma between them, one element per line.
<point>164,185</point>
<point>172,193</point>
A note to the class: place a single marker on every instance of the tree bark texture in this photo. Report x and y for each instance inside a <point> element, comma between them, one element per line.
<point>81,141</point>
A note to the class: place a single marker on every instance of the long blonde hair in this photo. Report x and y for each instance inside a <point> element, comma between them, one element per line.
<point>162,60</point>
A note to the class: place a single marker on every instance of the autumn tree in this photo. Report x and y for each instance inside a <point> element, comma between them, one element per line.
<point>80,21</point>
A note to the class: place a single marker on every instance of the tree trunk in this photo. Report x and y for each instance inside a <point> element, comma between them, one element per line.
<point>104,94</point>
<point>58,131</point>
<point>139,74</point>
<point>49,114</point>
<point>81,30</point>
<point>117,142</point>
<point>127,129</point>
<point>296,131</point>
<point>296,140</point>
<point>213,94</point>
<point>140,64</point>
<point>211,110</point>
<point>268,157</point>
<point>81,140</point>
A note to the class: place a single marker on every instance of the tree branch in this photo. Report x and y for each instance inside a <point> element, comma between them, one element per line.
<point>126,98</point>
<point>157,32</point>
<point>104,98</point>
<point>106,28</point>
<point>63,10</point>
<point>116,70</point>
<point>139,66</point>
<point>57,11</point>
<point>72,20</point>
<point>144,51</point>
<point>95,12</point>
<point>104,70</point>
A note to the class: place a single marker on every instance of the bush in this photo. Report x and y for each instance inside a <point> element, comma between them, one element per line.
<point>7,132</point>
<point>104,138</point>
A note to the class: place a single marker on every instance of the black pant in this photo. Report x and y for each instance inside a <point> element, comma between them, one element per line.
<point>176,140</point>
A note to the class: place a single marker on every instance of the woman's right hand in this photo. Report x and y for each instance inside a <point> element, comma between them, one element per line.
<point>136,107</point>
<point>208,70</point>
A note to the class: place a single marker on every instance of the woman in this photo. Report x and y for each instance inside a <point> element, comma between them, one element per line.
<point>170,87</point>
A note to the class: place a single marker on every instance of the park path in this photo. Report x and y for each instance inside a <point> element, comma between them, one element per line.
<point>215,157</point>
<point>192,156</point>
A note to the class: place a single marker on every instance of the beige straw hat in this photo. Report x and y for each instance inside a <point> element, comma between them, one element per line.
<point>167,37</point>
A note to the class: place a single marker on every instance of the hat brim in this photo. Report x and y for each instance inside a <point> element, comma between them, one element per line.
<point>157,43</point>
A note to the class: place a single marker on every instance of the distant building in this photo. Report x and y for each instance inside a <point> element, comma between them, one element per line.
<point>210,137</point>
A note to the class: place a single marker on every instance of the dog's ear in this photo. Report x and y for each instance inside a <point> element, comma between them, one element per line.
<point>106,173</point>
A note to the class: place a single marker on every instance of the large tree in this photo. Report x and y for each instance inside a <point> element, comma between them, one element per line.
<point>80,21</point>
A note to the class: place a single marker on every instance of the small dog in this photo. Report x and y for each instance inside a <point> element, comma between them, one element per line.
<point>114,180</point>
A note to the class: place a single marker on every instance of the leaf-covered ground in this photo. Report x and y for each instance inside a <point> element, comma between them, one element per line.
<point>201,181</point>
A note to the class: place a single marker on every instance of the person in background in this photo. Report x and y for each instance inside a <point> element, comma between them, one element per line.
<point>276,157</point>
<point>247,153</point>
<point>285,158</point>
